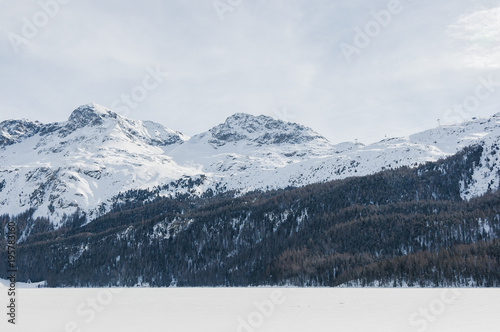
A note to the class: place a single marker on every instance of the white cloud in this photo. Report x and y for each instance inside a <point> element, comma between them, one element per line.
<point>481,31</point>
<point>264,55</point>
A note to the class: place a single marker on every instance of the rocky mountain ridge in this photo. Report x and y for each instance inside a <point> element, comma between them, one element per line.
<point>83,164</point>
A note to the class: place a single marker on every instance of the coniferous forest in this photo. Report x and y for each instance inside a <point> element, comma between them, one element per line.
<point>401,227</point>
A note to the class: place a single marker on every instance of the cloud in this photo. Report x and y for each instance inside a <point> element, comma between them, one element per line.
<point>264,56</point>
<point>481,31</point>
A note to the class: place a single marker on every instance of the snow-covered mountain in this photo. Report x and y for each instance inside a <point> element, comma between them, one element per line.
<point>85,162</point>
<point>81,163</point>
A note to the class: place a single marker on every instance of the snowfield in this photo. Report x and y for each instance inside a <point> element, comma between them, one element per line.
<point>254,309</point>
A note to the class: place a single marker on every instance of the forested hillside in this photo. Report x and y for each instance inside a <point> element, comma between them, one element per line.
<point>407,226</point>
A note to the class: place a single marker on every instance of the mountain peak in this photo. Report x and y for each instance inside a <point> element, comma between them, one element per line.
<point>261,130</point>
<point>91,114</point>
<point>249,121</point>
<point>240,116</point>
<point>12,131</point>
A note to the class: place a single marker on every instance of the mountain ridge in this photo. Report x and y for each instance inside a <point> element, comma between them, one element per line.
<point>82,165</point>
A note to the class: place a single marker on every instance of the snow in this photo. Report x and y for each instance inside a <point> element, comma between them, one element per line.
<point>255,309</point>
<point>5,284</point>
<point>86,166</point>
<point>95,155</point>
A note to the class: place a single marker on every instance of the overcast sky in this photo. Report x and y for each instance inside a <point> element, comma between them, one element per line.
<point>330,65</point>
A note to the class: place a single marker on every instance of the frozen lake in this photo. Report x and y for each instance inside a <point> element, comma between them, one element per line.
<point>254,309</point>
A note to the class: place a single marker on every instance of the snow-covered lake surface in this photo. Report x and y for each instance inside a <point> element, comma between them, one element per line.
<point>253,309</point>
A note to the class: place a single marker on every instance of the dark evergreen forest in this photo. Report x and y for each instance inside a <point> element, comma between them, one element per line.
<point>407,226</point>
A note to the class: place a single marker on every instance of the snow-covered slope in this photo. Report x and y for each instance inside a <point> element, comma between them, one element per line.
<point>247,153</point>
<point>85,162</point>
<point>243,151</point>
<point>82,162</point>
<point>429,145</point>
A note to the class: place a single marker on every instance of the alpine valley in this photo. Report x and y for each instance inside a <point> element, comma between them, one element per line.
<point>103,200</point>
